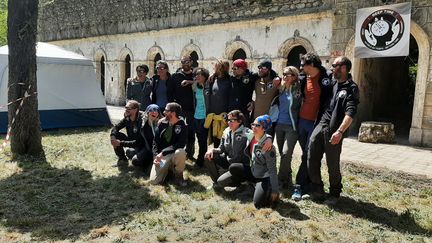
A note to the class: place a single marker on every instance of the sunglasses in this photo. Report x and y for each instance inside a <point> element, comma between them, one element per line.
<point>288,75</point>
<point>255,125</point>
<point>141,71</point>
<point>232,120</point>
<point>160,68</point>
<point>337,65</point>
<point>153,110</point>
<point>129,108</point>
<point>234,68</point>
<point>167,110</point>
<point>185,62</point>
<point>263,68</point>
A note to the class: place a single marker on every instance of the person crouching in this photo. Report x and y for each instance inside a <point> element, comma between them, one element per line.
<point>171,136</point>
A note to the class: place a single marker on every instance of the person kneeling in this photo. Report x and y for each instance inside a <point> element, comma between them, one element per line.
<point>170,140</point>
<point>263,169</point>
<point>132,121</point>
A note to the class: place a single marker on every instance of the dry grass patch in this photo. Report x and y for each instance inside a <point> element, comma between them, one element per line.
<point>75,195</point>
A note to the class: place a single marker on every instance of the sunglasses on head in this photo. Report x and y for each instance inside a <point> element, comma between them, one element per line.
<point>255,125</point>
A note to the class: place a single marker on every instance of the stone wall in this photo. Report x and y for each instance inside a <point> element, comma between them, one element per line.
<point>70,19</point>
<point>421,28</point>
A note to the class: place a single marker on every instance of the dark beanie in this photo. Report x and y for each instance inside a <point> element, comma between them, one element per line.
<point>265,63</point>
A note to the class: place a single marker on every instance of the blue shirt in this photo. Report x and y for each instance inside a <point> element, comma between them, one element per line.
<point>161,94</point>
<point>200,109</point>
<point>285,100</point>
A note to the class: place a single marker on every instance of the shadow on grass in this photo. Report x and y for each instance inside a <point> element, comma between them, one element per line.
<point>290,210</point>
<point>403,223</point>
<point>61,204</point>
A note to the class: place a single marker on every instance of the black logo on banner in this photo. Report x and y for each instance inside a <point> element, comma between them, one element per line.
<point>382,29</point>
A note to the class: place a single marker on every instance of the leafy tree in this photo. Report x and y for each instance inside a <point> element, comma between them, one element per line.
<point>22,31</point>
<point>3,22</point>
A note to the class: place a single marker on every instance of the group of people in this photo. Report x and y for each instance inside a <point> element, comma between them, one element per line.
<point>241,113</point>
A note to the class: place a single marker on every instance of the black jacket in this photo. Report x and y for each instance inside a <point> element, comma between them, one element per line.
<point>178,138</point>
<point>132,131</point>
<point>181,94</point>
<point>241,92</point>
<point>217,95</point>
<point>344,101</point>
<point>326,85</point>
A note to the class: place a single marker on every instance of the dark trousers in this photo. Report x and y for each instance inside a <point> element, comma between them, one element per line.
<point>201,134</point>
<point>286,139</point>
<point>320,144</point>
<point>262,193</point>
<point>140,156</point>
<point>217,166</point>
<point>305,129</point>
<point>190,146</point>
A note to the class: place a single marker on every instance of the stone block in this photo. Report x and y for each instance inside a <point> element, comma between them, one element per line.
<point>376,132</point>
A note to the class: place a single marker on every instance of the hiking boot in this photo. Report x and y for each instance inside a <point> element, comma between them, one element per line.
<point>317,197</point>
<point>179,180</point>
<point>296,196</point>
<point>331,201</point>
<point>122,162</point>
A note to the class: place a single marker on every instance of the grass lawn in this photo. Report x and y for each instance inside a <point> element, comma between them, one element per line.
<point>75,195</point>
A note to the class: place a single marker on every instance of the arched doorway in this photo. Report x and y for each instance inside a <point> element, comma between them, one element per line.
<point>127,68</point>
<point>155,60</point>
<point>387,90</point>
<point>239,54</point>
<point>194,56</point>
<point>294,56</point>
<point>102,74</point>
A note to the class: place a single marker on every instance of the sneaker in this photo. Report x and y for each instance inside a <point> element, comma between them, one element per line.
<point>305,196</point>
<point>296,196</point>
<point>317,197</point>
<point>331,201</point>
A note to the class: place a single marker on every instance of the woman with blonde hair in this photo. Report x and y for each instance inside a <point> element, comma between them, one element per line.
<point>286,108</point>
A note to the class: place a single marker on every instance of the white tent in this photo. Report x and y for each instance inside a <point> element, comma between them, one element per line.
<point>68,93</point>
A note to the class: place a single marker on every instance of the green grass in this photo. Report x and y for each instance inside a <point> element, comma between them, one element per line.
<point>75,195</point>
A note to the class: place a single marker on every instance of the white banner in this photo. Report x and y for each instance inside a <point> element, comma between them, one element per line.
<point>383,31</point>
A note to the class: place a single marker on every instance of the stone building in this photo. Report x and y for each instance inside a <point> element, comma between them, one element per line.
<point>120,34</point>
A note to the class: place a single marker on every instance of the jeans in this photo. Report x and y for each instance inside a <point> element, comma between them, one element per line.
<point>305,129</point>
<point>286,138</point>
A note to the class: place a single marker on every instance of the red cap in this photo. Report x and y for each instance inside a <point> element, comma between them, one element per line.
<point>240,63</point>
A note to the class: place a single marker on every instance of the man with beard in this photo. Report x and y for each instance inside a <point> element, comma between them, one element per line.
<point>327,136</point>
<point>179,90</point>
<point>169,142</point>
<point>132,140</point>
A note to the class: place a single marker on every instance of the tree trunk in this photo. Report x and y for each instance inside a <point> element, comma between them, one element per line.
<point>22,30</point>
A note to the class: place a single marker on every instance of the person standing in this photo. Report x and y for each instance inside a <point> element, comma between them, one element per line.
<point>332,127</point>
<point>316,87</point>
<point>287,106</point>
<point>217,92</point>
<point>242,87</point>
<point>170,140</point>
<point>201,76</point>
<point>139,88</point>
<point>160,84</point>
<point>180,91</point>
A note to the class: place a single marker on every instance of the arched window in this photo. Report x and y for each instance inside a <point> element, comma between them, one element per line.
<point>194,57</point>
<point>155,60</point>
<point>294,56</point>
<point>239,54</point>
<point>127,66</point>
<point>102,74</point>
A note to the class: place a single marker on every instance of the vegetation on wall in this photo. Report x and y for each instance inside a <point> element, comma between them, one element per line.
<point>3,22</point>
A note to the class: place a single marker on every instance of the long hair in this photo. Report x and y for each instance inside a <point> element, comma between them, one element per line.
<point>291,70</point>
<point>221,70</point>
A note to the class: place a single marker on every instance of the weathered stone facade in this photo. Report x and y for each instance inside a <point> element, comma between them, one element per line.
<point>114,29</point>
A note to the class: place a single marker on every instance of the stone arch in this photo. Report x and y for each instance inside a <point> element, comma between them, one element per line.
<point>422,39</point>
<point>99,60</point>
<point>153,51</point>
<point>124,52</point>
<point>151,56</point>
<point>99,53</point>
<point>292,42</point>
<point>233,46</point>
<point>188,49</point>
